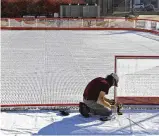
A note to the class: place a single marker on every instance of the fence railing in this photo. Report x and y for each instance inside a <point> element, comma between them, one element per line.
<point>70,23</point>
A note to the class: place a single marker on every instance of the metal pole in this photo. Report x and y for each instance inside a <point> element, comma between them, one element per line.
<point>132,8</point>
<point>125,5</point>
<point>112,6</point>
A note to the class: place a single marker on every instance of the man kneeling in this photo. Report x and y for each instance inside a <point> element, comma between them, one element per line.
<point>94,96</point>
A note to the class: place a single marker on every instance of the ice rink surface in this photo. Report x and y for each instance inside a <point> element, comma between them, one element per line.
<point>36,65</point>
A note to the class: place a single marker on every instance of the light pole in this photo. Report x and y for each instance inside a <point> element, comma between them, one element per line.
<point>132,7</point>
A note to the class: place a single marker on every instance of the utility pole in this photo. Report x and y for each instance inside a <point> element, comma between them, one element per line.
<point>132,7</point>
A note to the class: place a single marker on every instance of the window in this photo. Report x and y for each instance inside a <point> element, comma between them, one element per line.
<point>154,2</point>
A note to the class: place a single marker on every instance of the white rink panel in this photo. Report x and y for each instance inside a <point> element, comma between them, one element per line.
<point>55,66</point>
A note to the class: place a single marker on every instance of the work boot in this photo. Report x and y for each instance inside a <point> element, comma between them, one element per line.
<point>84,109</point>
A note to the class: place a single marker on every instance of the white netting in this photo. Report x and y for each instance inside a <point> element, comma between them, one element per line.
<point>138,77</point>
<point>45,67</point>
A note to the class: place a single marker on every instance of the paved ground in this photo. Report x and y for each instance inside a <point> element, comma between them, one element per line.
<point>154,17</point>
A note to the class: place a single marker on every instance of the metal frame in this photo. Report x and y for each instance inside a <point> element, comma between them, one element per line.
<point>135,100</point>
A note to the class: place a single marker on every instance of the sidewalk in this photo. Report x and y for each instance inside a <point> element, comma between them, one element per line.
<point>154,17</point>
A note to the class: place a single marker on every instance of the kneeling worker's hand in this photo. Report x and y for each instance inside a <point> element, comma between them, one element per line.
<point>113,106</point>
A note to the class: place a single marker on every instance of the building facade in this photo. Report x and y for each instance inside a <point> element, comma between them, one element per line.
<point>109,6</point>
<point>145,2</point>
<point>105,6</point>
